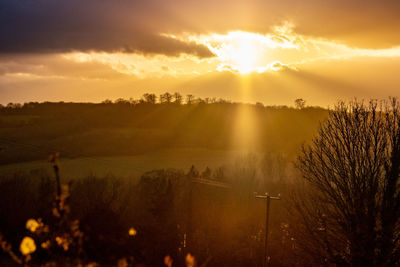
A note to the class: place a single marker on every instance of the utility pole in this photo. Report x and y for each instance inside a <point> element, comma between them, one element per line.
<point>267,198</point>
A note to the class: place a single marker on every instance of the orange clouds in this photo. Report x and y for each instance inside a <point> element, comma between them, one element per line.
<point>134,26</point>
<point>94,49</point>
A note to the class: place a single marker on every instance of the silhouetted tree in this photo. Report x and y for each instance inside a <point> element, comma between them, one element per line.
<point>166,98</point>
<point>161,193</point>
<point>133,101</point>
<point>219,174</point>
<point>206,173</point>
<point>14,105</point>
<point>150,98</point>
<point>199,100</point>
<point>259,105</point>
<point>107,101</point>
<point>223,101</point>
<point>177,98</point>
<point>350,212</point>
<point>189,99</point>
<point>300,103</point>
<point>121,101</point>
<point>193,172</point>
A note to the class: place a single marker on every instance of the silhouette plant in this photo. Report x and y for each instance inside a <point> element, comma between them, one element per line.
<point>56,241</point>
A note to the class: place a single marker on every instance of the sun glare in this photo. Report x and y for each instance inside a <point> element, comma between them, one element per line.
<point>244,56</point>
<point>245,52</point>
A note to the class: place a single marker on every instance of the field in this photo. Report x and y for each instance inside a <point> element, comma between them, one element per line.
<point>131,166</point>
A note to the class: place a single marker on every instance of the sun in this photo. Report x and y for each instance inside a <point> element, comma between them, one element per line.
<point>246,52</point>
<point>244,56</point>
<point>241,51</point>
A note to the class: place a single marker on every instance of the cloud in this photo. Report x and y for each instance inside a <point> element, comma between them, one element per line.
<point>167,46</point>
<point>320,83</point>
<point>102,26</point>
<point>227,67</point>
<point>279,66</point>
<point>135,25</point>
<point>276,66</point>
<point>45,66</point>
<point>139,43</point>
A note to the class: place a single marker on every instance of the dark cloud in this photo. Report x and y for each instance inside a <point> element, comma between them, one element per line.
<point>43,26</point>
<point>62,26</point>
<point>146,44</point>
<point>167,46</point>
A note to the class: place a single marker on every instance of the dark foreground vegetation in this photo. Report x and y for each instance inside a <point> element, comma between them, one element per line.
<point>171,213</point>
<point>340,200</point>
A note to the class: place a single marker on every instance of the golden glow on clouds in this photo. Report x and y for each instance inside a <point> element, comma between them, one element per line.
<point>243,51</point>
<point>118,62</point>
<point>145,67</point>
<point>246,52</point>
<point>238,52</point>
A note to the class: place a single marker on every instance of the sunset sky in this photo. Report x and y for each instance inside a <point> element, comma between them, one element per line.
<point>244,50</point>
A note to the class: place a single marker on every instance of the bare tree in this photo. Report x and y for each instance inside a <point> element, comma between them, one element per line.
<point>199,100</point>
<point>121,101</point>
<point>107,101</point>
<point>150,98</point>
<point>349,213</point>
<point>178,98</point>
<point>189,99</point>
<point>166,98</point>
<point>300,103</point>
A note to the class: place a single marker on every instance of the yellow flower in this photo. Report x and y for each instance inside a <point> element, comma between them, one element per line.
<point>62,242</point>
<point>27,246</point>
<point>56,213</point>
<point>32,225</point>
<point>189,260</point>
<point>46,244</point>
<point>65,246</point>
<point>132,231</point>
<point>59,240</point>
<point>168,261</point>
<point>64,191</point>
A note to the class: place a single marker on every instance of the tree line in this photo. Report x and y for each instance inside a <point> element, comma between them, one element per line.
<point>165,98</point>
<point>147,98</point>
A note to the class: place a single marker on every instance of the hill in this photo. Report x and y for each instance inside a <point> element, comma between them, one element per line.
<point>205,131</point>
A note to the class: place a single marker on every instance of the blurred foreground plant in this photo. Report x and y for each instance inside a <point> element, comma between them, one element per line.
<point>58,241</point>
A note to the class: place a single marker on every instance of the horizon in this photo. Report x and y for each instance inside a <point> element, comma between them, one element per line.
<point>196,100</point>
<point>206,100</point>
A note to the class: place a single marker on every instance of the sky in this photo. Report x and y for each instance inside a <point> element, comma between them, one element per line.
<point>271,51</point>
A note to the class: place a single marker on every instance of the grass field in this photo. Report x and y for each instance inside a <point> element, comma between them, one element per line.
<point>131,166</point>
